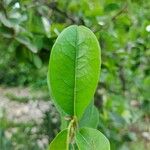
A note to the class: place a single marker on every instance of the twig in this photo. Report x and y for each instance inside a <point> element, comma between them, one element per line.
<point>122,77</point>
<point>54,7</point>
<point>122,10</point>
<point>119,12</point>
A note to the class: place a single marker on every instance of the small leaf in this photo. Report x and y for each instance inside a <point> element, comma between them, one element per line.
<point>111,7</point>
<point>90,117</point>
<point>6,32</point>
<point>91,139</point>
<point>74,69</point>
<point>5,21</point>
<point>64,120</point>
<point>37,61</point>
<point>46,25</point>
<point>59,142</point>
<point>26,41</point>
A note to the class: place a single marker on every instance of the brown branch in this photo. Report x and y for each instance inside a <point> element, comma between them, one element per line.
<point>54,7</point>
<point>124,8</point>
<point>122,78</point>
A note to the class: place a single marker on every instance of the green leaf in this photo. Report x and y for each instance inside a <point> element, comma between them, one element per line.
<point>35,24</point>
<point>91,139</point>
<point>91,121</point>
<point>5,21</point>
<point>111,7</point>
<point>59,142</point>
<point>74,69</point>
<point>37,61</point>
<point>90,117</point>
<point>6,32</point>
<point>26,42</point>
<point>64,120</point>
<point>46,25</point>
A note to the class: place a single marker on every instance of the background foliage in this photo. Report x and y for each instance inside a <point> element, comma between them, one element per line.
<point>28,29</point>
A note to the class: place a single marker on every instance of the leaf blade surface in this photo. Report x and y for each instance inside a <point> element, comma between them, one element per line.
<point>74,69</point>
<point>91,139</point>
<point>60,141</point>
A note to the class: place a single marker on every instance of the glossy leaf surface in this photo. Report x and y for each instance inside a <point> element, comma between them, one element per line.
<point>91,139</point>
<point>74,69</point>
<point>59,142</point>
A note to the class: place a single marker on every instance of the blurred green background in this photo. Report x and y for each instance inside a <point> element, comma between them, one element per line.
<point>28,29</point>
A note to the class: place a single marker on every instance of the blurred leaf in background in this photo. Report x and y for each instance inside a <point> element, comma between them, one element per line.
<point>28,29</point>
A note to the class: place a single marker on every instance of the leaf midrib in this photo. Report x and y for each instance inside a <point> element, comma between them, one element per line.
<point>75,66</point>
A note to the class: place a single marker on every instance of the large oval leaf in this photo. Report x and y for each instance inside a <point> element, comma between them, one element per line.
<point>74,69</point>
<point>59,142</point>
<point>91,139</point>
